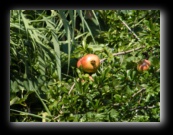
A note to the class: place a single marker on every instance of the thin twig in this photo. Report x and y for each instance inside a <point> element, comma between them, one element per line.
<point>124,52</point>
<point>143,107</point>
<point>129,51</point>
<point>129,28</point>
<point>72,87</point>
<point>60,113</point>
<point>143,89</point>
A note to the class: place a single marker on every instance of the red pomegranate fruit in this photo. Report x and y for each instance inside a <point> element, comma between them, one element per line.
<point>89,63</point>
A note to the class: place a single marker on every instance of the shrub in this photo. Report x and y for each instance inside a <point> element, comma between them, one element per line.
<point>46,86</point>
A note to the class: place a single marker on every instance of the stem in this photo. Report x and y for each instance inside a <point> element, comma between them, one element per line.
<point>125,52</point>
<point>72,87</point>
<point>129,28</point>
<point>143,89</point>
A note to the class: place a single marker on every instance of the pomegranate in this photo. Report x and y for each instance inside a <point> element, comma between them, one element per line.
<point>89,63</point>
<point>143,65</point>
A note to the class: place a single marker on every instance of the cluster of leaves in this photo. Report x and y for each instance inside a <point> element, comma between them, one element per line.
<point>46,86</point>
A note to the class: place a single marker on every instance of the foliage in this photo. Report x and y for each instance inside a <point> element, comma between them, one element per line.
<point>46,86</point>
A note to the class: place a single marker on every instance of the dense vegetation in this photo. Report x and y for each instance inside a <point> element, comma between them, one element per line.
<point>46,86</point>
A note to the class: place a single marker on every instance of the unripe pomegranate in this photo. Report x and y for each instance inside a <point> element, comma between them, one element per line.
<point>143,65</point>
<point>89,63</point>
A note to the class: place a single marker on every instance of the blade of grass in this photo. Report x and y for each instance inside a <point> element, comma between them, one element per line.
<point>30,114</point>
<point>58,52</point>
<point>45,107</point>
<point>68,34</point>
<point>72,14</point>
<point>96,18</point>
<point>83,20</point>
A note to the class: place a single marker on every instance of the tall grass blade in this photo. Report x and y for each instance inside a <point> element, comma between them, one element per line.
<point>30,114</point>
<point>68,34</point>
<point>45,107</point>
<point>56,45</point>
<point>86,24</point>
